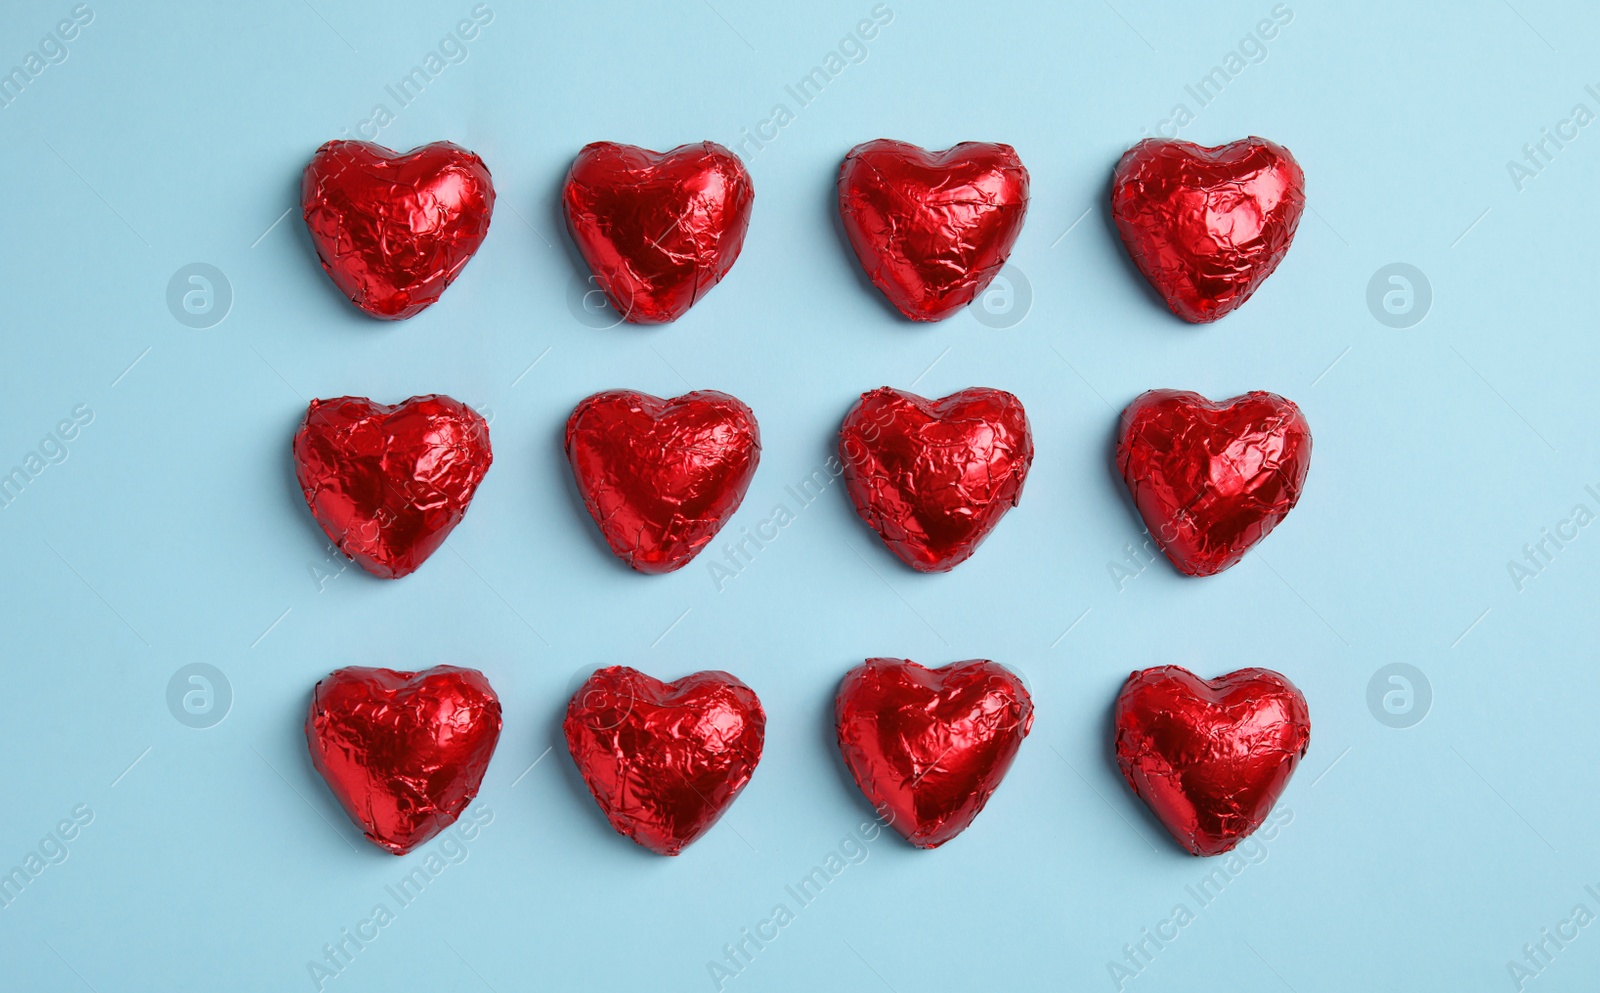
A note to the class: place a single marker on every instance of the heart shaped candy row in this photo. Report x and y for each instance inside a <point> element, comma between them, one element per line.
<point>933,478</point>
<point>404,753</point>
<point>1206,226</point>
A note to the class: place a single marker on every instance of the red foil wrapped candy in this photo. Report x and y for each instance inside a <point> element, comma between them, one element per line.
<point>932,229</point>
<point>661,477</point>
<point>1207,226</point>
<point>928,747</point>
<point>403,752</point>
<point>658,229</point>
<point>1212,479</point>
<point>1210,756</point>
<point>389,483</point>
<point>664,760</point>
<point>393,230</point>
<point>934,477</point>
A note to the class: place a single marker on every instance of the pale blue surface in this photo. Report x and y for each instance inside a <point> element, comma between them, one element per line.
<point>1417,859</point>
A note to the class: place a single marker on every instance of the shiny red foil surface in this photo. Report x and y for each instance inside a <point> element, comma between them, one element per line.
<point>393,230</point>
<point>658,229</point>
<point>403,752</point>
<point>1210,756</point>
<point>1212,479</point>
<point>927,747</point>
<point>664,760</point>
<point>932,229</point>
<point>388,483</point>
<point>1207,226</point>
<point>661,477</point>
<point>934,477</point>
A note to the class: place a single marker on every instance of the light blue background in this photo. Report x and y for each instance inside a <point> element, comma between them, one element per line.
<point>1416,859</point>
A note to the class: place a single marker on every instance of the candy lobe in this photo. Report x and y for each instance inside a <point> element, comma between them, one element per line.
<point>662,477</point>
<point>404,753</point>
<point>1207,226</point>
<point>388,483</point>
<point>928,747</point>
<point>664,761</point>
<point>934,477</point>
<point>1210,757</point>
<point>657,229</point>
<point>394,230</point>
<point>1211,479</point>
<point>932,229</point>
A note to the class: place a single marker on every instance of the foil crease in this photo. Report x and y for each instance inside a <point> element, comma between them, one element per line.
<point>661,477</point>
<point>1210,756</point>
<point>388,483</point>
<point>932,229</point>
<point>1207,226</point>
<point>403,752</point>
<point>1210,478</point>
<point>664,760</point>
<point>928,747</point>
<point>657,229</point>
<point>934,477</point>
<point>394,230</point>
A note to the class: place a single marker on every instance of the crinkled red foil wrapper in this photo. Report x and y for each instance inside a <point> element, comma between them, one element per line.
<point>664,760</point>
<point>403,752</point>
<point>932,229</point>
<point>388,483</point>
<point>1207,226</point>
<point>393,230</point>
<point>934,477</point>
<point>661,477</point>
<point>1210,756</point>
<point>1211,478</point>
<point>928,747</point>
<point>657,229</point>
